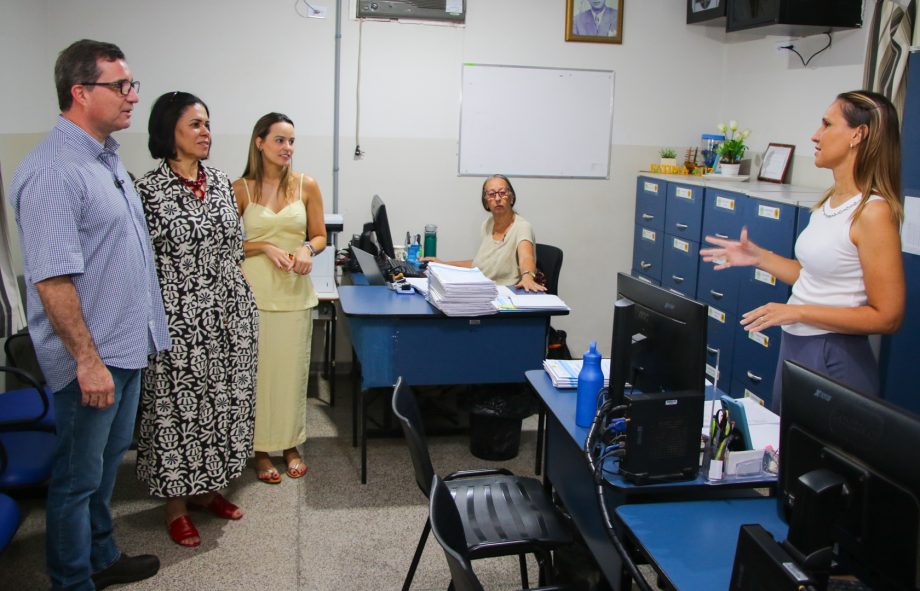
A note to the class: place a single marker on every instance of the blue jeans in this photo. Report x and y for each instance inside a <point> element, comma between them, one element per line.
<point>91,443</point>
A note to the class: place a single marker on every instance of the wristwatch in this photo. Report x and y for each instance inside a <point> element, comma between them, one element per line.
<point>531,273</point>
<point>310,248</point>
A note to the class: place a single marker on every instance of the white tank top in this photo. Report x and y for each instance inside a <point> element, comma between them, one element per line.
<point>831,274</point>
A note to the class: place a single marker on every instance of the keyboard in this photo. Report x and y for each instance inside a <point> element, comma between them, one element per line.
<point>393,267</point>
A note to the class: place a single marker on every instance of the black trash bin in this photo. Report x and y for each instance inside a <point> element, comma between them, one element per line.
<point>495,420</point>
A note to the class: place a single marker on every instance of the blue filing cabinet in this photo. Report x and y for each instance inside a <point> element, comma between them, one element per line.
<point>720,347</point>
<point>673,217</point>
<point>683,223</point>
<point>648,242</point>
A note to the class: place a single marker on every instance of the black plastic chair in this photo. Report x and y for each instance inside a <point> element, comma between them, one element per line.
<point>549,260</point>
<point>448,530</point>
<point>502,514</point>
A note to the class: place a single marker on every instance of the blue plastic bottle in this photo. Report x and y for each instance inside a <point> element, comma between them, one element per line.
<point>590,381</point>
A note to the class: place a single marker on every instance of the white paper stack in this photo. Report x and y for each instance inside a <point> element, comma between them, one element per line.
<point>458,291</point>
<point>564,372</point>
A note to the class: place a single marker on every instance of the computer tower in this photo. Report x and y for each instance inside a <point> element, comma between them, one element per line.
<point>662,436</point>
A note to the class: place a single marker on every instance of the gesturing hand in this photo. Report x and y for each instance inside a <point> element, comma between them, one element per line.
<point>732,253</point>
<point>772,314</point>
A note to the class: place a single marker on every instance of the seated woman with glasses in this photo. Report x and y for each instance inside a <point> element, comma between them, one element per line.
<point>507,254</point>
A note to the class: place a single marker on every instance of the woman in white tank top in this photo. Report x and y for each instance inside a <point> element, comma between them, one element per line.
<point>847,278</point>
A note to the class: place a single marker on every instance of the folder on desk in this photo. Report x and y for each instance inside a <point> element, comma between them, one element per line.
<point>758,426</point>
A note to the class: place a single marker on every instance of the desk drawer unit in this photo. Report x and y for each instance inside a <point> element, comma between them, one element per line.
<point>684,215</point>
<point>650,202</point>
<point>648,247</point>
<point>720,337</point>
<point>645,278</point>
<point>719,288</point>
<point>680,264</point>
<point>755,360</point>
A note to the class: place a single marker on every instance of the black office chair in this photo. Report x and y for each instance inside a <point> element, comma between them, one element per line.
<point>502,514</point>
<point>549,260</point>
<point>448,530</point>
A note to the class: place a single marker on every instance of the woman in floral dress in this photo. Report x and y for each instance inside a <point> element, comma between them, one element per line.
<point>197,399</point>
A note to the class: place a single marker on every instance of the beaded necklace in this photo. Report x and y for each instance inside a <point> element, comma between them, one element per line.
<point>840,209</point>
<point>196,186</point>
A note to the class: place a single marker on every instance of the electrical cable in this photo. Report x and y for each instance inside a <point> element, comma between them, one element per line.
<point>608,523</point>
<point>358,152</point>
<point>808,61</point>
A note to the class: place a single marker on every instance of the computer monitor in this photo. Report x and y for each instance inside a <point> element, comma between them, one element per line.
<point>659,347</point>
<point>659,340</point>
<point>382,227</point>
<point>849,482</point>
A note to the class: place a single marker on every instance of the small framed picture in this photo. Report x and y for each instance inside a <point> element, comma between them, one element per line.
<point>594,21</point>
<point>775,165</point>
<point>704,10</point>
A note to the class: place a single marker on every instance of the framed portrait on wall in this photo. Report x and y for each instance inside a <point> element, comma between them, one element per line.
<point>594,21</point>
<point>704,10</point>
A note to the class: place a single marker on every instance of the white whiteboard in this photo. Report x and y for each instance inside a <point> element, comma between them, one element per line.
<point>536,122</point>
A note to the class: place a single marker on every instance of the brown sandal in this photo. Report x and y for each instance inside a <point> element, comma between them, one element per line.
<point>268,476</point>
<point>296,469</point>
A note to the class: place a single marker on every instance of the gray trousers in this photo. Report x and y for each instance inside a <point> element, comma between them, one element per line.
<point>846,358</point>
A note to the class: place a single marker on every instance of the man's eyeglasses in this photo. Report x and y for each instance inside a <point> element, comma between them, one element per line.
<point>496,195</point>
<point>122,86</point>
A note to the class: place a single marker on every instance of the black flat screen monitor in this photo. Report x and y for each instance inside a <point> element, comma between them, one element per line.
<point>659,340</point>
<point>382,227</point>
<point>849,481</point>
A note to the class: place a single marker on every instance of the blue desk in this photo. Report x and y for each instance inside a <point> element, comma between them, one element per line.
<point>566,471</point>
<point>692,544</point>
<point>402,335</point>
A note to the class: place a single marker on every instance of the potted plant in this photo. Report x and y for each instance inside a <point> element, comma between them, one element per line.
<point>731,151</point>
<point>668,157</point>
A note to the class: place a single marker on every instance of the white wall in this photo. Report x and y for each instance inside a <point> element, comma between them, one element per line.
<point>244,58</point>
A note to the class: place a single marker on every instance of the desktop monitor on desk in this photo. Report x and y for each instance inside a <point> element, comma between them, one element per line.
<point>849,481</point>
<point>382,227</point>
<point>659,347</point>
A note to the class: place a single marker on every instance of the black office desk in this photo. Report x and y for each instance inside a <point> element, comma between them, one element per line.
<point>566,471</point>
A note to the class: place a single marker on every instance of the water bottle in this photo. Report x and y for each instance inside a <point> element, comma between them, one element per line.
<point>590,381</point>
<point>431,241</point>
<point>412,254</point>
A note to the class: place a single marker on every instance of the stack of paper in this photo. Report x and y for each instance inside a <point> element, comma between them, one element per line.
<point>458,291</point>
<point>508,300</point>
<point>564,372</point>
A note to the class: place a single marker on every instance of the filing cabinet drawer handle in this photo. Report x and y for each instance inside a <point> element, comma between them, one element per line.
<point>681,226</point>
<point>647,216</point>
<point>677,279</point>
<point>722,236</point>
<point>645,266</point>
<point>754,378</point>
<point>712,351</point>
<point>716,294</point>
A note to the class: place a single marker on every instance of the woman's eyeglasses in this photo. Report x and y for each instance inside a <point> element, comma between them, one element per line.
<point>496,195</point>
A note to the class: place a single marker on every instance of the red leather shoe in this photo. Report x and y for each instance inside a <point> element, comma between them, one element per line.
<point>181,530</point>
<point>221,507</point>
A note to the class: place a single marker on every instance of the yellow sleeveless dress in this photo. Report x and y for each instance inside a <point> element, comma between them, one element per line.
<point>285,301</point>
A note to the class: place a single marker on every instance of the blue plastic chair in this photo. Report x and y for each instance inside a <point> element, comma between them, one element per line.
<point>21,401</point>
<point>10,519</point>
<point>26,448</point>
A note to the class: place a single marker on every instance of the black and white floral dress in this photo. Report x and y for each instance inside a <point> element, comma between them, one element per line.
<point>197,399</point>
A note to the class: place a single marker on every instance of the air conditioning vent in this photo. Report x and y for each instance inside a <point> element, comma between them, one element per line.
<point>431,10</point>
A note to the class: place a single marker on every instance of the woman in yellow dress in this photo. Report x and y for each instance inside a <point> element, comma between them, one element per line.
<point>282,215</point>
